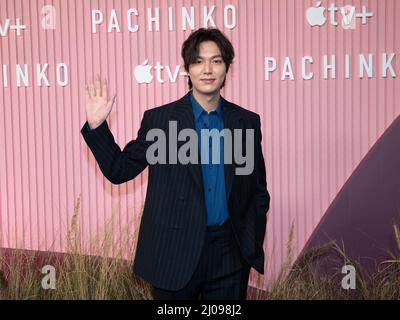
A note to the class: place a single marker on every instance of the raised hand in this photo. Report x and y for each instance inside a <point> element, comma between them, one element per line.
<point>98,103</point>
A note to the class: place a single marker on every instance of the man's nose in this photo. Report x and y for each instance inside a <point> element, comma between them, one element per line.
<point>207,67</point>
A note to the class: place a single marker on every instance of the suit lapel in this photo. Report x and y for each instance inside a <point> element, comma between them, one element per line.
<point>183,114</point>
<point>231,121</point>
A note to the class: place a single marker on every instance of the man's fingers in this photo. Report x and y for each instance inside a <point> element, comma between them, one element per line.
<point>104,91</point>
<point>98,86</point>
<point>87,93</point>
<point>92,91</point>
<point>111,101</point>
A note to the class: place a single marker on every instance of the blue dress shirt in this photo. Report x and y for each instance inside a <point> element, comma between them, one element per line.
<point>213,174</point>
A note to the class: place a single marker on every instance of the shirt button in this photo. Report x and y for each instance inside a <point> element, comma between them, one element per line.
<point>209,189</point>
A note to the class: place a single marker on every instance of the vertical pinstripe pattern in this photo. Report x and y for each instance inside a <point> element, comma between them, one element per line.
<point>173,225</point>
<point>221,273</point>
<point>314,132</point>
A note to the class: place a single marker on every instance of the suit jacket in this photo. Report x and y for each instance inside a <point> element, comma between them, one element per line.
<point>173,224</point>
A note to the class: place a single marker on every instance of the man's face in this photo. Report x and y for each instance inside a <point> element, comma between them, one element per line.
<point>208,72</point>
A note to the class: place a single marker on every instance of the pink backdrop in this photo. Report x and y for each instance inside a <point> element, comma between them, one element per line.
<point>315,132</point>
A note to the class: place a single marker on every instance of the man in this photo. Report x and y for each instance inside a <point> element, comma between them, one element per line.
<point>203,224</point>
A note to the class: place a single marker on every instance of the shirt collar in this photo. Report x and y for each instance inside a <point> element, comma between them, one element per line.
<point>198,109</point>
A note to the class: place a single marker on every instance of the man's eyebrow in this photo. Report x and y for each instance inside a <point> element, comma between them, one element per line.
<point>216,56</point>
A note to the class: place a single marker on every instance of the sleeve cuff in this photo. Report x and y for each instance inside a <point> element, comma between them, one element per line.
<point>86,130</point>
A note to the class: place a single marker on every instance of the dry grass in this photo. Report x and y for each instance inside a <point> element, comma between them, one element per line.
<point>80,276</point>
<point>307,280</point>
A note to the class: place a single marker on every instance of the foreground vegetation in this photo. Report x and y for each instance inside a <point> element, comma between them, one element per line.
<point>80,276</point>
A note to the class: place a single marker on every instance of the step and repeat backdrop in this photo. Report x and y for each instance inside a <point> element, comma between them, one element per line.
<point>323,75</point>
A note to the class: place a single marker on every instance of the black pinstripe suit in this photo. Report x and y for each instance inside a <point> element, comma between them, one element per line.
<point>173,226</point>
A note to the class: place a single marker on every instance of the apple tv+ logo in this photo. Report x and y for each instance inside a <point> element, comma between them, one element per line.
<point>316,15</point>
<point>144,73</point>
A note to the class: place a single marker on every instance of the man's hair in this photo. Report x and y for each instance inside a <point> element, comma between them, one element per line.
<point>190,48</point>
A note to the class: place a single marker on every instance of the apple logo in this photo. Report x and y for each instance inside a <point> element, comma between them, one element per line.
<point>315,15</point>
<point>142,73</point>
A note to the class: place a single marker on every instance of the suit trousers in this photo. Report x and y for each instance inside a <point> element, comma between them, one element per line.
<point>222,273</point>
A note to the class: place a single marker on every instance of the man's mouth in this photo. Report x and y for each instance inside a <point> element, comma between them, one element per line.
<point>207,81</point>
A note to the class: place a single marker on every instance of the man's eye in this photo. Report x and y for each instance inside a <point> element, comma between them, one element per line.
<point>198,61</point>
<point>217,61</point>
